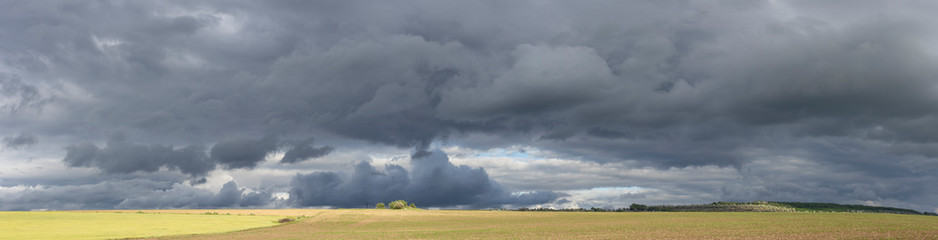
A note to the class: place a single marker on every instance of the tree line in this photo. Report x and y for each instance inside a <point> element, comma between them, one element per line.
<point>757,206</point>
<point>397,204</point>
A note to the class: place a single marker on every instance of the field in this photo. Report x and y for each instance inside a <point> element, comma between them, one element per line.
<point>423,224</point>
<point>111,224</point>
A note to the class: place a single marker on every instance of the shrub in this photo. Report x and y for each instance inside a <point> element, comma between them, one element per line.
<point>412,205</point>
<point>379,206</point>
<point>398,204</point>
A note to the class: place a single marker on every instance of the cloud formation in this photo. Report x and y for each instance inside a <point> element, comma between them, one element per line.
<point>20,140</point>
<point>670,87</point>
<point>18,95</point>
<point>128,194</point>
<point>304,150</point>
<point>242,153</point>
<point>119,156</point>
<point>433,182</point>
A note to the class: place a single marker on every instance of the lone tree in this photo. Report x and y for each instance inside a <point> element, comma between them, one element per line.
<point>399,204</point>
<point>379,206</point>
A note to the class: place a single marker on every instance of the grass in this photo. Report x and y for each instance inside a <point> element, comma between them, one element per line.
<point>111,224</point>
<point>391,224</point>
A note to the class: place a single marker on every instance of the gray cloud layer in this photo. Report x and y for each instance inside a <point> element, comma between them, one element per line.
<point>243,153</point>
<point>119,156</point>
<point>433,182</point>
<point>303,150</point>
<point>122,157</point>
<point>661,84</point>
<point>129,194</point>
<point>20,140</point>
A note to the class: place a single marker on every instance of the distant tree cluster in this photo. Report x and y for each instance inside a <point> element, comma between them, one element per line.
<point>397,204</point>
<point>833,207</point>
<point>757,206</point>
<point>593,209</point>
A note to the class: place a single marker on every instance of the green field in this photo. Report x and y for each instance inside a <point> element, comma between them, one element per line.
<point>445,224</point>
<point>110,225</point>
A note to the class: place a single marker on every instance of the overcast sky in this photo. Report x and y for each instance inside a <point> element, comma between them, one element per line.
<point>466,104</point>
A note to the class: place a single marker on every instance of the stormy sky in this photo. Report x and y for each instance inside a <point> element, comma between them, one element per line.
<point>466,104</point>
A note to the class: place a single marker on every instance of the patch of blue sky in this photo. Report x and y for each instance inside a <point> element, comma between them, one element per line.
<point>618,189</point>
<point>509,153</point>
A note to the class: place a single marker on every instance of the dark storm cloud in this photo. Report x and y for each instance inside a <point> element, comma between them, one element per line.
<point>179,196</point>
<point>854,173</point>
<point>304,150</point>
<point>243,153</point>
<point>128,194</point>
<point>433,182</point>
<point>662,84</point>
<point>119,156</point>
<point>418,78</point>
<point>20,140</point>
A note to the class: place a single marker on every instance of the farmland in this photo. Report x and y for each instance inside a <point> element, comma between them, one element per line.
<point>116,224</point>
<point>425,224</point>
<point>410,224</point>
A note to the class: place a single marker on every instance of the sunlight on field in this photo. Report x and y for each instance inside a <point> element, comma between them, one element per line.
<point>423,224</point>
<point>420,224</point>
<point>110,224</point>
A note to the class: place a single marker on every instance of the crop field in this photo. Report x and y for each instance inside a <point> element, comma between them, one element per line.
<point>115,224</point>
<point>424,224</point>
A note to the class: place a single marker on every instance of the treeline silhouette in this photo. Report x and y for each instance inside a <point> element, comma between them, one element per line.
<point>757,206</point>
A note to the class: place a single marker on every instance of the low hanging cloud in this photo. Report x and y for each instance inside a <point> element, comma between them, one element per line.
<point>181,196</point>
<point>304,150</point>
<point>433,182</point>
<point>119,156</point>
<point>129,194</point>
<point>20,140</point>
<point>244,152</point>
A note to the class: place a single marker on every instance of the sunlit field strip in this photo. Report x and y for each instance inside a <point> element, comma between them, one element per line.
<point>120,224</point>
<point>423,224</point>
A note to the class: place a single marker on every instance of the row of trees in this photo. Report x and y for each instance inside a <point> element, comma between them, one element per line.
<point>398,204</point>
<point>713,207</point>
<point>593,209</point>
<point>757,206</point>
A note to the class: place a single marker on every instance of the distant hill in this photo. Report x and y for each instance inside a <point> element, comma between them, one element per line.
<point>763,206</point>
<point>757,206</point>
<point>833,207</point>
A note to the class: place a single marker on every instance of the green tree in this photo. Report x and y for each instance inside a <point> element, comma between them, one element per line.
<point>380,205</point>
<point>412,205</point>
<point>398,204</point>
<point>638,207</point>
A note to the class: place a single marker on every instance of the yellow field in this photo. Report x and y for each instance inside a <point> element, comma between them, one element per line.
<point>422,224</point>
<point>110,224</point>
